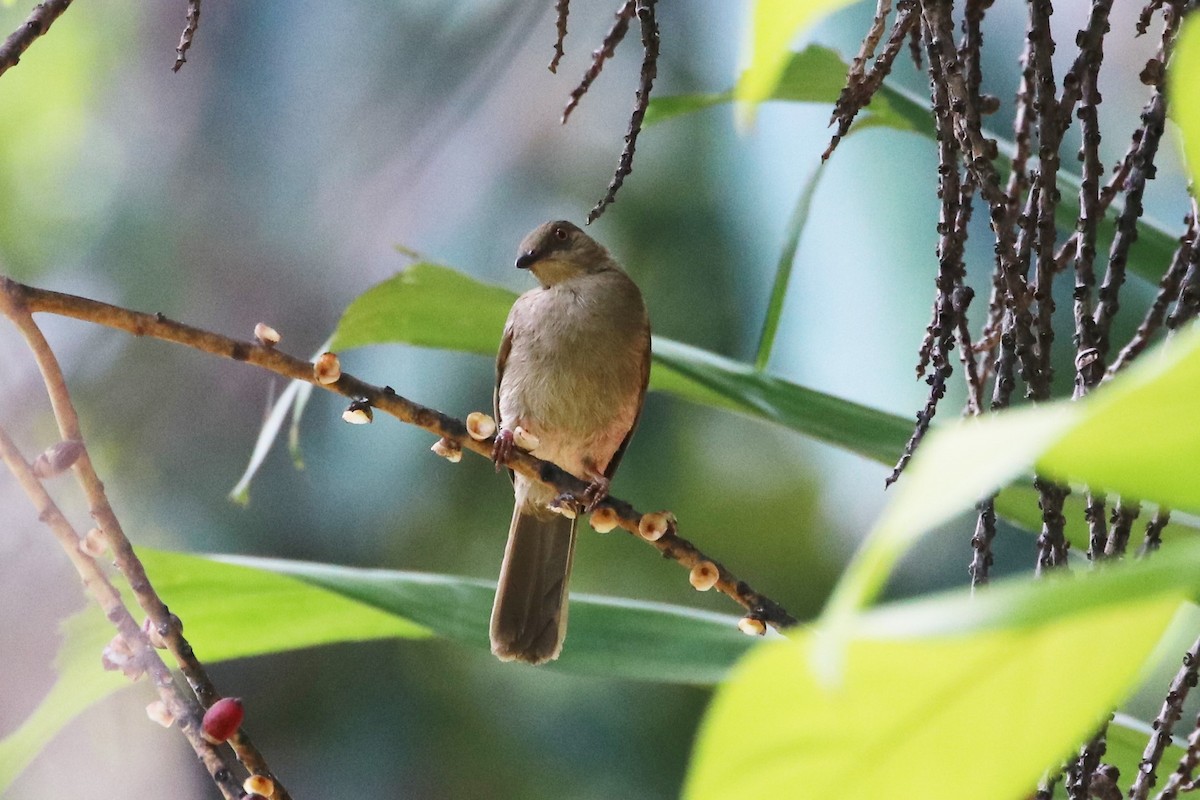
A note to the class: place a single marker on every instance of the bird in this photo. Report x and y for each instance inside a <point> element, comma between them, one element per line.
<point>571,377</point>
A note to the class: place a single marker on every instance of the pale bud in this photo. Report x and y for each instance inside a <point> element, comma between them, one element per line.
<point>58,458</point>
<point>525,440</point>
<point>118,657</point>
<point>480,425</point>
<point>327,368</point>
<point>704,576</point>
<point>158,712</point>
<point>448,449</point>
<point>260,785</point>
<point>358,413</point>
<point>604,519</point>
<point>266,335</point>
<point>654,526</point>
<point>562,506</point>
<point>93,543</point>
<point>752,625</point>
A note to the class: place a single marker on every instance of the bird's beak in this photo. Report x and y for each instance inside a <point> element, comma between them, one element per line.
<point>527,259</point>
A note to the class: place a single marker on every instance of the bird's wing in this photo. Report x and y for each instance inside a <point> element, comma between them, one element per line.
<point>616,459</point>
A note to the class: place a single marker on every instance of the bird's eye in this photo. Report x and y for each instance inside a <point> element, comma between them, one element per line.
<point>560,234</point>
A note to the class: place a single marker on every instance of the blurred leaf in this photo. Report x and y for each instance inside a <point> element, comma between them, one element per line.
<point>783,269</point>
<point>923,708</point>
<point>235,607</point>
<point>774,26</point>
<point>288,398</point>
<point>1184,92</point>
<point>1131,436</point>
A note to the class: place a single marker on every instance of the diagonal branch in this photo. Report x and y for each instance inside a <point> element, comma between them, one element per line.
<point>38,22</point>
<point>671,545</point>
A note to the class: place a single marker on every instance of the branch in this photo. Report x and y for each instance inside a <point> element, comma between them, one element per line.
<point>189,32</point>
<point>562,8</point>
<point>161,620</point>
<point>39,21</point>
<point>185,710</point>
<point>645,13</point>
<point>671,545</point>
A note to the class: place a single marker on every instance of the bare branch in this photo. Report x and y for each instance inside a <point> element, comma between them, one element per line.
<point>189,32</point>
<point>39,21</point>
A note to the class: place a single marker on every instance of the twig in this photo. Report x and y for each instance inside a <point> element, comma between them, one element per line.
<point>1181,779</point>
<point>562,8</point>
<point>157,326</point>
<point>607,47</point>
<point>860,87</point>
<point>1168,290</point>
<point>20,313</point>
<point>1123,517</point>
<point>1154,529</point>
<point>645,13</point>
<point>189,32</point>
<point>38,22</point>
<point>183,707</point>
<point>1164,723</point>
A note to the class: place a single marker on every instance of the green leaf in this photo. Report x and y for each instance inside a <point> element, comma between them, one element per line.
<point>611,637</point>
<point>429,306</point>
<point>1184,92</point>
<point>1131,436</point>
<point>235,607</point>
<point>783,270</point>
<point>956,696</point>
<point>774,25</point>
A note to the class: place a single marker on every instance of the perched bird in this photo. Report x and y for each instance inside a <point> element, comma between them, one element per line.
<point>571,374</point>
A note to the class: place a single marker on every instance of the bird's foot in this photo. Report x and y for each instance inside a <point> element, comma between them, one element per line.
<point>596,491</point>
<point>502,448</point>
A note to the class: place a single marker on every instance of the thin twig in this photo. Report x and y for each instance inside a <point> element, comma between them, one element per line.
<point>1154,529</point>
<point>1164,723</point>
<point>183,707</point>
<point>159,327</point>
<point>189,32</point>
<point>1123,516</point>
<point>562,8</point>
<point>1181,779</point>
<point>38,22</point>
<point>607,47</point>
<point>650,42</point>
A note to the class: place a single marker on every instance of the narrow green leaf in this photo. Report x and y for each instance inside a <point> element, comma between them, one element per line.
<point>783,269</point>
<point>235,607</point>
<point>897,108</point>
<point>240,493</point>
<point>1184,92</point>
<point>612,637</point>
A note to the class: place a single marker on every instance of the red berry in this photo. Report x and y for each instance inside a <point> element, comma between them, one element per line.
<point>222,719</point>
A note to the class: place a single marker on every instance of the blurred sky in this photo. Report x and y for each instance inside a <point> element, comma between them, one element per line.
<point>272,179</point>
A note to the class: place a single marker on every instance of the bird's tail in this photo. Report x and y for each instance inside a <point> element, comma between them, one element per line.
<point>529,617</point>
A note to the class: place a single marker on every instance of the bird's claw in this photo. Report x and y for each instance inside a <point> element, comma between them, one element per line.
<point>595,493</point>
<point>502,448</point>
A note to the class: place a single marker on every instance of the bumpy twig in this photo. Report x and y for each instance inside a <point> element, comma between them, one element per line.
<point>1164,723</point>
<point>645,13</point>
<point>38,22</point>
<point>671,545</point>
<point>601,55</point>
<point>562,8</point>
<point>189,32</point>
